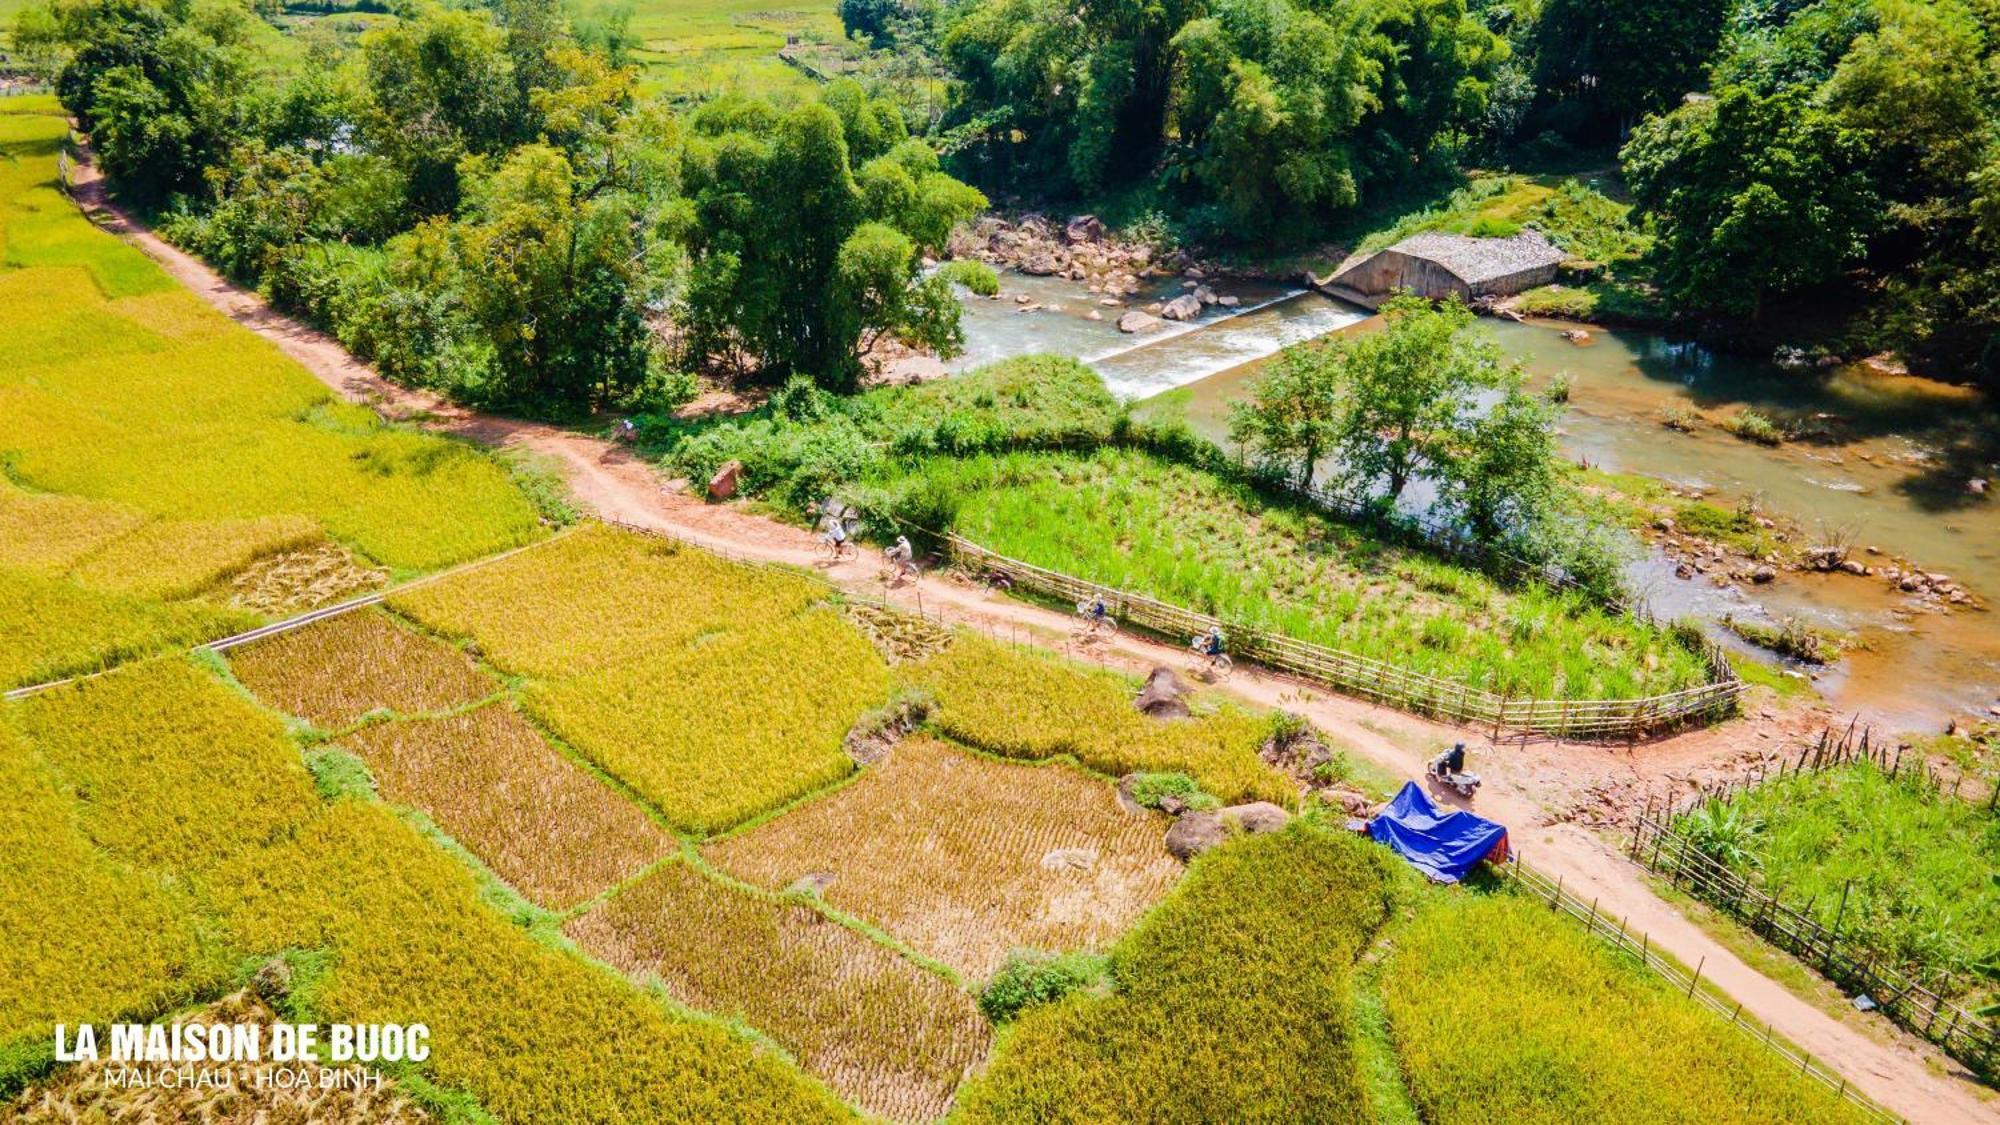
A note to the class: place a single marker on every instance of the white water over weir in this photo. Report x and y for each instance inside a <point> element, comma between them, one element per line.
<point>1052,315</point>
<point>1193,352</point>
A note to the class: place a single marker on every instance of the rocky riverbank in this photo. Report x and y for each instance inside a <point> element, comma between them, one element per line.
<point>1115,270</point>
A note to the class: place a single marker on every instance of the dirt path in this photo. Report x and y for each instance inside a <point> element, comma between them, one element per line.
<point>1537,790</point>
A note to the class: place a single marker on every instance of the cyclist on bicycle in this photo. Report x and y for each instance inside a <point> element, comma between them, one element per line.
<point>902,557</point>
<point>1098,610</point>
<point>1210,644</point>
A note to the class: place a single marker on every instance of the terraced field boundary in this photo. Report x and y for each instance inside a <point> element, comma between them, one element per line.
<point>1640,946</point>
<point>1415,692</point>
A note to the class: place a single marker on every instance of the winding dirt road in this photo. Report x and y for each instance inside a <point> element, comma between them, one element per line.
<point>1536,790</point>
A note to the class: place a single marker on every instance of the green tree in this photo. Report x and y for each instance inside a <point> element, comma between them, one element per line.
<point>558,275</point>
<point>440,87</point>
<point>1496,476</point>
<point>1755,196</point>
<point>798,264</point>
<point>1292,417</point>
<point>161,88</point>
<point>1607,62</point>
<point>1407,393</point>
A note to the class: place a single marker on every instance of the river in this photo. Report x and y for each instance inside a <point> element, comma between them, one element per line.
<point>1888,463</point>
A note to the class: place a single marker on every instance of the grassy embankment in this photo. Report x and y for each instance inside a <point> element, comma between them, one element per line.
<point>1032,458</point>
<point>172,456</point>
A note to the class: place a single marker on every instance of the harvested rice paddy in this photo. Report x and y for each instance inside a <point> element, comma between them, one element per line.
<point>890,1035</point>
<point>334,671</point>
<point>966,858</point>
<point>543,823</point>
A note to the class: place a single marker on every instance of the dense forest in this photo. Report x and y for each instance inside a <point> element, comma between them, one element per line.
<point>1834,162</point>
<point>484,198</point>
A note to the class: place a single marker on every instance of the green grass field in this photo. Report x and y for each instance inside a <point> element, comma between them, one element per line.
<point>150,449</point>
<point>1919,870</point>
<point>1134,522</point>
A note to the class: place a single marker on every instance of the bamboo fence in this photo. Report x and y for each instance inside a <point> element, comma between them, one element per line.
<point>1361,676</point>
<point>1919,1007</point>
<point>1640,946</point>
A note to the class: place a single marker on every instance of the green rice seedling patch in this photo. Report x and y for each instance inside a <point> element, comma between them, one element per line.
<point>532,1032</point>
<point>1134,522</point>
<point>1919,869</point>
<point>1504,1011</point>
<point>966,857</point>
<point>739,724</point>
<point>1023,703</point>
<point>82,935</point>
<point>1232,1000</point>
<point>891,1036</point>
<point>601,597</point>
<point>171,769</point>
<point>333,672</point>
<point>543,823</point>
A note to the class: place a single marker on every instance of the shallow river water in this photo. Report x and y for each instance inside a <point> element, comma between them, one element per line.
<point>1887,463</point>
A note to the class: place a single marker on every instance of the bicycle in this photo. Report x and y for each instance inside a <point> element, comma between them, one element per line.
<point>1213,665</point>
<point>1093,622</point>
<point>838,549</point>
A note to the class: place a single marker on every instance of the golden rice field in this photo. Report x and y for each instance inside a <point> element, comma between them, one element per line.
<point>736,725</point>
<point>82,932</point>
<point>1232,1000</point>
<point>600,597</point>
<point>1503,1011</point>
<point>172,769</point>
<point>889,1035</point>
<point>542,822</point>
<point>1022,703</point>
<point>334,671</point>
<point>50,628</point>
<point>150,448</point>
<point>532,1032</point>
<point>966,858</point>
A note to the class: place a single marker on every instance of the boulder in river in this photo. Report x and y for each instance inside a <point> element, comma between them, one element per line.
<point>1084,228</point>
<point>1187,306</point>
<point>1136,321</point>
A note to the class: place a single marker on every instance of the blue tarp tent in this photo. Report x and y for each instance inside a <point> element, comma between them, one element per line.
<point>1443,845</point>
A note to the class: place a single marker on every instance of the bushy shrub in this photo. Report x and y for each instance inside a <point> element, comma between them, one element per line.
<point>1033,976</point>
<point>1152,789</point>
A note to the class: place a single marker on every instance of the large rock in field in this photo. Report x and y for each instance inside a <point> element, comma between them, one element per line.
<point>1162,697</point>
<point>723,484</point>
<point>1187,306</point>
<point>1256,818</point>
<point>1136,321</point>
<point>1194,834</point>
